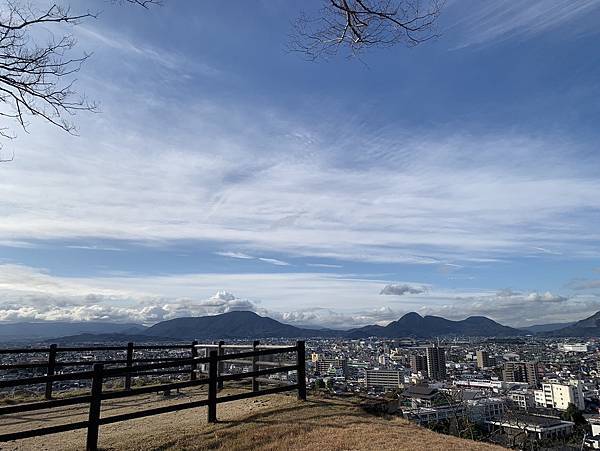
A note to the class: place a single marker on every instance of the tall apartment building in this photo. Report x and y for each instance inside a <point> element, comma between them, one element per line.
<point>559,396</point>
<point>418,363</point>
<point>384,378</point>
<point>483,359</point>
<point>436,363</point>
<point>324,365</point>
<point>521,372</point>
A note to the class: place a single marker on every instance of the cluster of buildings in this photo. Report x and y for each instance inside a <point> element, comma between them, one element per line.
<point>508,387</point>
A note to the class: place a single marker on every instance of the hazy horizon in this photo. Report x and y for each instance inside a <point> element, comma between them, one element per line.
<point>274,315</point>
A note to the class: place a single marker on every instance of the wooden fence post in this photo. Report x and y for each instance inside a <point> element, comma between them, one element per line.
<point>301,360</point>
<point>194,365</point>
<point>212,386</point>
<point>220,364</point>
<point>50,370</point>
<point>255,386</point>
<point>129,364</point>
<point>95,404</point>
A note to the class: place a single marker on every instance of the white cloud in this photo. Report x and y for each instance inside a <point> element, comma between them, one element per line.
<point>243,256</point>
<point>545,297</point>
<point>32,294</point>
<point>96,248</point>
<point>169,59</point>
<point>239,255</point>
<point>320,316</point>
<point>546,251</point>
<point>148,312</point>
<point>274,261</point>
<point>513,308</point>
<point>371,213</point>
<point>217,170</point>
<point>323,265</point>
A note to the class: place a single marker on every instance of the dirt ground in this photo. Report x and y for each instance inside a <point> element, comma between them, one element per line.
<point>276,422</point>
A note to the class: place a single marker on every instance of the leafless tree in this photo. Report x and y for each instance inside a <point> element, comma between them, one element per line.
<point>36,66</point>
<point>356,25</point>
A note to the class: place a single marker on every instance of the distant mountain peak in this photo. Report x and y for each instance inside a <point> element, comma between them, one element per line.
<point>237,324</point>
<point>411,316</point>
<point>479,318</point>
<point>243,313</point>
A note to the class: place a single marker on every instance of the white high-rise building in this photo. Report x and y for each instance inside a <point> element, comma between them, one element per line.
<point>384,378</point>
<point>574,347</point>
<point>559,396</point>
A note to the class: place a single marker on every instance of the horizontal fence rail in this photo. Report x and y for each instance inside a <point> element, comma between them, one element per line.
<point>100,373</point>
<point>94,348</point>
<point>52,364</point>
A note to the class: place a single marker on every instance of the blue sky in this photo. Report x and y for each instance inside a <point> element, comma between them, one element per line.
<point>224,172</point>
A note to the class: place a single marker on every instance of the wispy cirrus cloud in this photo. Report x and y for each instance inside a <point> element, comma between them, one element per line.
<point>239,255</point>
<point>274,261</point>
<point>169,59</point>
<point>502,20</point>
<point>95,247</point>
<point>546,251</point>
<point>243,256</point>
<point>411,205</point>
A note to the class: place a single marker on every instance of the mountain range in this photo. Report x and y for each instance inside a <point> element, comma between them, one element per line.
<point>588,327</point>
<point>414,325</point>
<point>246,324</point>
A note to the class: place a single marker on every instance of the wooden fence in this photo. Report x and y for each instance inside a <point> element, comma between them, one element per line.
<point>52,363</point>
<point>100,373</point>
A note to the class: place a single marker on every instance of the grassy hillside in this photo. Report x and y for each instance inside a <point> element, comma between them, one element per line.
<point>269,423</point>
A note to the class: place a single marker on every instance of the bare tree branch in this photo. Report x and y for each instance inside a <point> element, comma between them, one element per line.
<point>37,78</point>
<point>355,25</point>
<point>143,3</point>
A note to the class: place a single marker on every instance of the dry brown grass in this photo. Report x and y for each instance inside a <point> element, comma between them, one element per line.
<point>268,423</point>
<point>12,399</point>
